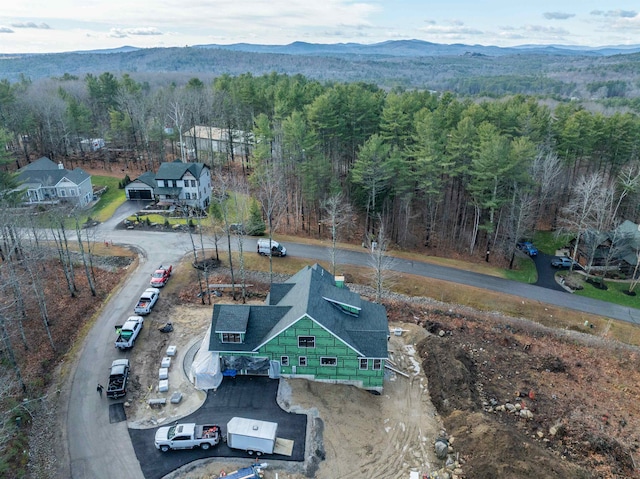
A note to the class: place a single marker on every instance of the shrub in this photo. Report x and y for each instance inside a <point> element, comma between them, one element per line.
<point>255,226</point>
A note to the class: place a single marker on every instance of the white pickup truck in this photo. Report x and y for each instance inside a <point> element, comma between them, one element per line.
<point>128,332</point>
<point>147,300</point>
<point>187,436</point>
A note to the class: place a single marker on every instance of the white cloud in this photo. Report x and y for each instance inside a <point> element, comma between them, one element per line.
<point>545,30</point>
<point>458,29</point>
<point>125,32</point>
<point>6,30</point>
<point>43,26</point>
<point>615,13</point>
<point>558,15</point>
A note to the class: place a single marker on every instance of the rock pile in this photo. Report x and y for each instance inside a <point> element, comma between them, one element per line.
<point>452,468</point>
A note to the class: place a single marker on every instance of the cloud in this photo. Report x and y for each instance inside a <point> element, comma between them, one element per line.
<point>558,15</point>
<point>545,30</point>
<point>42,26</point>
<point>6,30</point>
<point>615,13</point>
<point>138,31</point>
<point>454,28</point>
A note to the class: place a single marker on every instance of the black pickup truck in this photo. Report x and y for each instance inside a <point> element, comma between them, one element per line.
<point>118,376</point>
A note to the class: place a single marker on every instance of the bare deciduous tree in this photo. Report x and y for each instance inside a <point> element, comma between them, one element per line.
<point>380,261</point>
<point>339,214</point>
<point>588,208</point>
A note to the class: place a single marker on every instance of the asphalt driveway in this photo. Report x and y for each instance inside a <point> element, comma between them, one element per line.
<point>245,396</point>
<point>546,272</point>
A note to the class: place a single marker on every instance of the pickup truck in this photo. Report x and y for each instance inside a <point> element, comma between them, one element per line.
<point>160,277</point>
<point>187,436</point>
<point>146,301</point>
<point>128,332</point>
<point>118,378</point>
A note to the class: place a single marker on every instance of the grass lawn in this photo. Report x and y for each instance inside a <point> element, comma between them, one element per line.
<point>614,292</point>
<point>109,201</point>
<point>549,243</point>
<point>525,271</point>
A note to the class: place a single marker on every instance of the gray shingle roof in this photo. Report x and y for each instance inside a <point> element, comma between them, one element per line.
<point>312,292</point>
<point>175,170</point>
<point>259,321</point>
<point>44,172</point>
<point>234,320</point>
<point>148,178</point>
<point>42,163</point>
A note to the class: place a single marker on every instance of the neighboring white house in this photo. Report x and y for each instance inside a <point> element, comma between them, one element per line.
<point>45,182</point>
<point>184,184</point>
<point>210,139</point>
<point>142,188</point>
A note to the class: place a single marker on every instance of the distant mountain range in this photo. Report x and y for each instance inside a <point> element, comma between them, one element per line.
<point>559,70</point>
<point>406,48</point>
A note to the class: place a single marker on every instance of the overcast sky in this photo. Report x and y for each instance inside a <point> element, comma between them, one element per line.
<point>69,25</point>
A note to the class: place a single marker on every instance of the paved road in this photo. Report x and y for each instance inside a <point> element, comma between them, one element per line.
<point>96,446</point>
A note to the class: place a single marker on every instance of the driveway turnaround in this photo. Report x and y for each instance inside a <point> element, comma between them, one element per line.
<point>244,396</point>
<point>546,272</point>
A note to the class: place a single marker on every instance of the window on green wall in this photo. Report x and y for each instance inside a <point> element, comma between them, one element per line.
<point>306,341</point>
<point>231,337</point>
<point>284,360</point>
<point>364,363</point>
<point>324,361</point>
<point>302,361</point>
<point>377,364</point>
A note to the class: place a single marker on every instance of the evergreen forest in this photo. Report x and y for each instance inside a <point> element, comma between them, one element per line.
<point>427,169</point>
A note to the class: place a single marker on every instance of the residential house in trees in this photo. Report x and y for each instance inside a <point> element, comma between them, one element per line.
<point>312,326</point>
<point>45,182</point>
<point>183,184</point>
<point>617,250</point>
<point>203,140</point>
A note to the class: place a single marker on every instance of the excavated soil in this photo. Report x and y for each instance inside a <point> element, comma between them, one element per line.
<point>457,369</point>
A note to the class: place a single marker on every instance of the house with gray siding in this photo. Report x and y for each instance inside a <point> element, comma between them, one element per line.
<point>311,326</point>
<point>45,182</point>
<point>184,184</point>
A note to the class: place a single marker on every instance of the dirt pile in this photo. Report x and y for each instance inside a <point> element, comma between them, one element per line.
<point>579,389</point>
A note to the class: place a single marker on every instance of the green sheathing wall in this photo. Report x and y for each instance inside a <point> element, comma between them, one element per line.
<point>326,344</point>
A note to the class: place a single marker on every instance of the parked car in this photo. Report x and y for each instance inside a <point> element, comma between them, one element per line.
<point>527,247</point>
<point>147,300</point>
<point>564,262</point>
<point>160,277</point>
<point>118,375</point>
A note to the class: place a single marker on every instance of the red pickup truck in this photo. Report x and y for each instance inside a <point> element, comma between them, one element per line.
<point>161,276</point>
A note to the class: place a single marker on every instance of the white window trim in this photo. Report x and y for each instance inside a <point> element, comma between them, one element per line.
<point>366,364</point>
<point>333,358</point>
<point>307,347</point>
<point>379,364</point>
<point>284,360</point>
<point>302,359</point>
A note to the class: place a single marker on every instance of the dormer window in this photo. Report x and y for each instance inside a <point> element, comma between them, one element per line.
<point>344,307</point>
<point>231,338</point>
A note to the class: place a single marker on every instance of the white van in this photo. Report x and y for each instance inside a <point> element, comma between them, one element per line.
<point>275,249</point>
